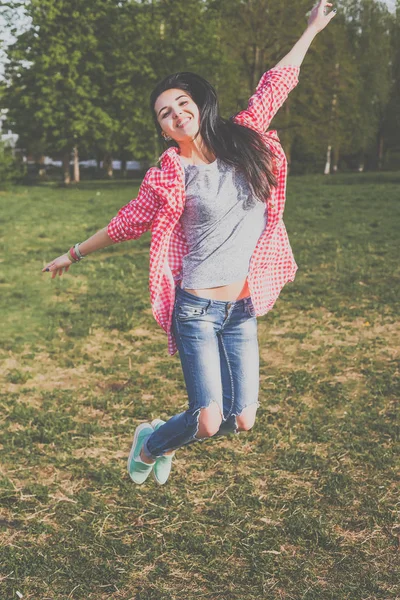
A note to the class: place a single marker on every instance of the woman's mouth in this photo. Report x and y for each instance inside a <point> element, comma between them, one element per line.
<point>181,123</point>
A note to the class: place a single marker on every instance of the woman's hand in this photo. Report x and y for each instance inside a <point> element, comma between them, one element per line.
<point>99,240</point>
<point>319,16</point>
<point>316,22</point>
<point>58,265</point>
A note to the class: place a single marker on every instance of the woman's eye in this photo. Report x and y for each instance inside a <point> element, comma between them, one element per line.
<point>180,104</point>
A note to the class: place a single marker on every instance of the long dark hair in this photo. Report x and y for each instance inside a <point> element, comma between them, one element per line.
<point>236,145</point>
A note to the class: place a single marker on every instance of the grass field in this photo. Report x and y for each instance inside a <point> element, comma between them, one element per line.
<point>303,506</point>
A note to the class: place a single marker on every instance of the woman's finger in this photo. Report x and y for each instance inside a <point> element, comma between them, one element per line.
<point>60,263</point>
<point>321,5</point>
<point>331,13</point>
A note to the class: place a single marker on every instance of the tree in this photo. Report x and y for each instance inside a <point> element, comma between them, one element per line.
<point>52,76</point>
<point>391,121</point>
<point>154,39</point>
<point>11,170</point>
<point>369,23</point>
<point>79,79</point>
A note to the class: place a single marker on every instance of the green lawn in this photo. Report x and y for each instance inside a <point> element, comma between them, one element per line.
<point>301,507</point>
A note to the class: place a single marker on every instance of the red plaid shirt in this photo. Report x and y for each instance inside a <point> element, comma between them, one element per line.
<point>161,200</point>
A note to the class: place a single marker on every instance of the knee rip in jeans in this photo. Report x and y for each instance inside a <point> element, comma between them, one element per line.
<point>245,420</point>
<point>209,419</point>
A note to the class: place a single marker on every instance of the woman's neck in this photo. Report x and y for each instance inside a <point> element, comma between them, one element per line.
<point>195,152</point>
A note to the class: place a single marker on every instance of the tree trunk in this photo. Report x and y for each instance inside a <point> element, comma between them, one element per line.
<point>332,120</point>
<point>361,162</point>
<point>256,66</point>
<point>77,177</point>
<point>288,152</point>
<point>288,138</point>
<point>380,150</point>
<point>107,164</point>
<point>123,167</point>
<point>66,173</point>
<point>98,165</point>
<point>336,154</point>
<point>255,73</point>
<point>156,147</point>
<point>327,169</point>
<point>42,167</point>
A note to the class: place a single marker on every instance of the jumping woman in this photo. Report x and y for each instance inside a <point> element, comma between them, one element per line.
<point>219,253</point>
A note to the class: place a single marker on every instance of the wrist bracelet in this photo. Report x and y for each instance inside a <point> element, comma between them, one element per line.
<point>70,256</point>
<point>73,254</point>
<point>77,252</point>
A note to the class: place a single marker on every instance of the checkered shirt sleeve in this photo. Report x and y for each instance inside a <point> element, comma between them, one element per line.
<point>270,94</point>
<point>136,217</point>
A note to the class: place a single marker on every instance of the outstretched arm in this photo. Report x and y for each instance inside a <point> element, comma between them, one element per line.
<point>276,84</point>
<point>318,20</point>
<point>99,240</point>
<point>130,223</point>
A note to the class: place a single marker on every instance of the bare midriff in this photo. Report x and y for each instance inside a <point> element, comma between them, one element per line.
<point>233,291</point>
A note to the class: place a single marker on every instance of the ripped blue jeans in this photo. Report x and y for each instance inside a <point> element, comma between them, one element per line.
<point>218,349</point>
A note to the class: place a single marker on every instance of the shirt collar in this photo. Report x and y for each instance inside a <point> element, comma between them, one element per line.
<point>171,153</point>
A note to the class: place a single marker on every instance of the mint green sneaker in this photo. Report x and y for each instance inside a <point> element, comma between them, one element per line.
<point>139,471</point>
<point>163,465</point>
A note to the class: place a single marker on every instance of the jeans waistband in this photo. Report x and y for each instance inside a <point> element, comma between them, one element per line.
<point>200,299</point>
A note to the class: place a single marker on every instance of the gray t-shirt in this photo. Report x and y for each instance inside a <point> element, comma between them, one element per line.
<point>222,221</point>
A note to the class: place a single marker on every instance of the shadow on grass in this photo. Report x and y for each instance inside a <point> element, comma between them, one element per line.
<point>364,178</point>
<point>93,184</point>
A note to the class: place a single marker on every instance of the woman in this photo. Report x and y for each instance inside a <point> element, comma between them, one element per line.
<point>219,253</point>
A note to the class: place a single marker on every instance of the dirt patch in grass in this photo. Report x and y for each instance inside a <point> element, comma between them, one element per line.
<point>309,340</point>
<point>43,374</point>
<point>103,344</point>
<point>100,454</point>
<point>59,378</point>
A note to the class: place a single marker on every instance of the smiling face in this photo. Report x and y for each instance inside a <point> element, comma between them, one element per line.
<point>178,115</point>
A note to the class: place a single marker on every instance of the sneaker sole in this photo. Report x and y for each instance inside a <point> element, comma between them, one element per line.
<point>135,438</point>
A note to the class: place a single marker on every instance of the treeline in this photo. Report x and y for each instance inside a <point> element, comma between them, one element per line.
<point>77,82</point>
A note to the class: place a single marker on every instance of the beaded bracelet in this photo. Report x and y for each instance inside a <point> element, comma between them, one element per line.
<point>70,257</point>
<point>73,256</point>
<point>78,252</point>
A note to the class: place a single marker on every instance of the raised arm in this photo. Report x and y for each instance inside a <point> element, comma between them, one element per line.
<point>276,84</point>
<point>318,20</point>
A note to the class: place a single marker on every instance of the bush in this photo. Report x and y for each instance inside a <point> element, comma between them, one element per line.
<point>11,170</point>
